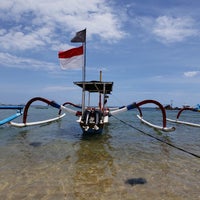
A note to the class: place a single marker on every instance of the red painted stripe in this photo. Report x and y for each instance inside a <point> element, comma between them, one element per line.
<point>71,53</point>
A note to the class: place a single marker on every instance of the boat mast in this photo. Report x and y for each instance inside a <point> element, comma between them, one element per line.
<point>100,78</point>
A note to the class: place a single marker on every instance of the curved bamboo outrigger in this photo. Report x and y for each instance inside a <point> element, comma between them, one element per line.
<point>92,120</point>
<point>25,114</point>
<point>184,122</point>
<point>140,116</point>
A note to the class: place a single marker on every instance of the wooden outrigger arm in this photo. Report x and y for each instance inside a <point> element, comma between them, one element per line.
<point>140,116</point>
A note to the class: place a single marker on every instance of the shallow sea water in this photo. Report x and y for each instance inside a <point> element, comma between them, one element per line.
<point>56,161</point>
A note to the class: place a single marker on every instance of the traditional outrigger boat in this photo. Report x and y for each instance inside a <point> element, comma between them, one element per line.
<point>91,118</point>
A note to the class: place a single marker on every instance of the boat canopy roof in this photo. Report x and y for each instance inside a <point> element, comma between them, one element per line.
<point>96,86</point>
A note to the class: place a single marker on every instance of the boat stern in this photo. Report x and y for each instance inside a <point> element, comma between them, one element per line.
<point>92,121</point>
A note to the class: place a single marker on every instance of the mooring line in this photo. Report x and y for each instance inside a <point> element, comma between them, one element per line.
<point>156,138</point>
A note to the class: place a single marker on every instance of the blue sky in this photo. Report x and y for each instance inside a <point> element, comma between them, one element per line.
<point>149,49</point>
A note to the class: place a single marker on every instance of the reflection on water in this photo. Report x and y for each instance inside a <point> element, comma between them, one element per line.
<point>94,171</point>
<point>58,162</point>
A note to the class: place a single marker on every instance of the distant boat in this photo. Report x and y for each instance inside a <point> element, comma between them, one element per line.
<point>169,107</point>
<point>186,106</point>
<point>197,107</point>
<point>40,107</point>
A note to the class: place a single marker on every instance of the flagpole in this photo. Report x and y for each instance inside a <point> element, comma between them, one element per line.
<point>81,37</point>
<point>84,77</point>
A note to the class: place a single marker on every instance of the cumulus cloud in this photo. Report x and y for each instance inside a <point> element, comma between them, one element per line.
<point>28,24</point>
<point>171,29</point>
<point>168,29</point>
<point>24,63</point>
<point>15,39</point>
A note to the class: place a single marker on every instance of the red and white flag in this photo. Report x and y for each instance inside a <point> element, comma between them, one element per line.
<point>71,59</point>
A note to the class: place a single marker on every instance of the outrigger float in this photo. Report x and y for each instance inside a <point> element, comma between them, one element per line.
<point>197,109</point>
<point>91,118</point>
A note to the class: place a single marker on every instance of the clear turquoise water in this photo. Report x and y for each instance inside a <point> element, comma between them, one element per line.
<point>56,161</point>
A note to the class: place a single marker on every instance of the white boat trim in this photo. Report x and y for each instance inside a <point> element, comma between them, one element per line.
<point>183,122</point>
<point>166,129</point>
<point>37,122</point>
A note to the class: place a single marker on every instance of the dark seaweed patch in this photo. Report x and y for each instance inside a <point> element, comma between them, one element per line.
<point>35,144</point>
<point>136,181</point>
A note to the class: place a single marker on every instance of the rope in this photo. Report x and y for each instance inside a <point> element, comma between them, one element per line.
<point>158,139</point>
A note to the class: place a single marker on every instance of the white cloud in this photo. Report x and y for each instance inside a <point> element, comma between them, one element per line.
<point>19,40</point>
<point>167,29</point>
<point>29,24</point>
<point>24,63</point>
<point>191,73</point>
<point>172,29</point>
